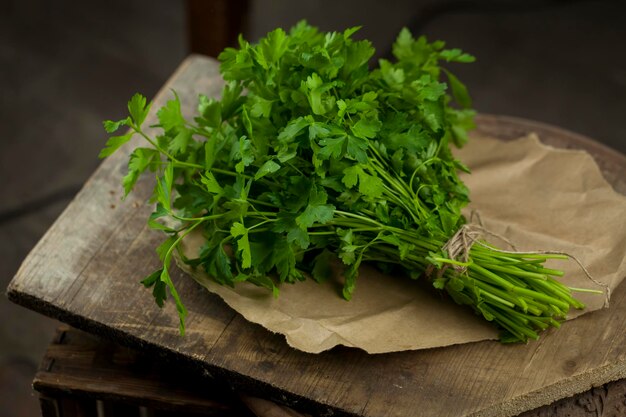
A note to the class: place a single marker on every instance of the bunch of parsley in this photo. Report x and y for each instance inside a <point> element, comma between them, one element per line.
<point>310,157</point>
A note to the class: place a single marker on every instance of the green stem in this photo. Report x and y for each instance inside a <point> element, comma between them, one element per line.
<point>167,154</point>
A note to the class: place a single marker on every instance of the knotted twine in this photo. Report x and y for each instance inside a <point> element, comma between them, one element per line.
<point>459,245</point>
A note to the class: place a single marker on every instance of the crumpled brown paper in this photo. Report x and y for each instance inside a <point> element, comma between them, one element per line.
<point>538,197</point>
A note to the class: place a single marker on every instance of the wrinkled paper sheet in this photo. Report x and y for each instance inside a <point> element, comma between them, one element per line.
<point>538,197</point>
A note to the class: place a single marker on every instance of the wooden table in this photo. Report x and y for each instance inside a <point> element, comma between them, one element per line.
<point>86,268</point>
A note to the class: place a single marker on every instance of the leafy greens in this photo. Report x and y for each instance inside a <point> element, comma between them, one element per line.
<point>310,157</point>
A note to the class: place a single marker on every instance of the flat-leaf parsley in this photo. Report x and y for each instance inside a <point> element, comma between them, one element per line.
<point>311,158</point>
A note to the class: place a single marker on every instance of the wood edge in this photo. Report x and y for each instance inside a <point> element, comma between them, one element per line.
<point>190,59</point>
<point>237,381</point>
<point>12,292</point>
<point>182,67</point>
<point>561,390</point>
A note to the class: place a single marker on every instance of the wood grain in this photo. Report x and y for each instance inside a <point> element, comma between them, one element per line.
<point>85,272</point>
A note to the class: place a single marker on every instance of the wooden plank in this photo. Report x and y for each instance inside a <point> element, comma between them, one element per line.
<point>82,366</point>
<point>85,271</point>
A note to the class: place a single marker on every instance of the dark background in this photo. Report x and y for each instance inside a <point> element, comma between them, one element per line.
<point>66,65</point>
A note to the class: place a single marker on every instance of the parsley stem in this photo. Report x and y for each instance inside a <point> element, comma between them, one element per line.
<point>248,177</point>
<point>587,290</point>
<point>357,216</point>
<point>164,152</point>
<point>193,219</point>
<point>261,203</point>
<point>451,261</point>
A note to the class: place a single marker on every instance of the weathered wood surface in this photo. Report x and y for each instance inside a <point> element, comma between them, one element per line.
<point>85,272</point>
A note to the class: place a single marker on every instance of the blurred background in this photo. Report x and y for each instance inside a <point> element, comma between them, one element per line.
<point>67,65</point>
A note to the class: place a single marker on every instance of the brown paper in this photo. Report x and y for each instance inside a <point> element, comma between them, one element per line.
<point>538,197</point>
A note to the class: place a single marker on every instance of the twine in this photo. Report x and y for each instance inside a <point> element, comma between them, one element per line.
<point>459,245</point>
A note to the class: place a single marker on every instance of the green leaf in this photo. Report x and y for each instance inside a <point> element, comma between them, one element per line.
<point>238,229</point>
<point>321,214</point>
<point>182,311</point>
<point>357,149</point>
<point>138,109</point>
<point>210,111</point>
<point>402,48</point>
<point>351,175</point>
<point>347,34</point>
<point>317,211</point>
<point>430,90</point>
<point>211,184</point>
<point>247,123</point>
<point>268,167</point>
<point>272,47</point>
<point>111,126</point>
<point>369,185</point>
<point>323,265</point>
<point>293,128</point>
<point>151,279</point>
<point>284,260</point>
<point>316,90</point>
<point>357,56</point>
<point>170,115</point>
<point>231,100</point>
<point>244,154</point>
<point>140,160</point>
<point>332,147</point>
<point>114,143</point>
<point>179,143</point>
<point>159,292</point>
<point>434,114</point>
<point>235,209</point>
<point>159,212</point>
<point>209,153</point>
<point>366,128</point>
<point>439,283</point>
<point>160,280</point>
<point>318,130</point>
<point>165,248</point>
<point>286,223</point>
<point>263,281</point>
<point>243,244</point>
<point>217,264</point>
<point>459,91</point>
<point>261,107</point>
<point>456,55</point>
<point>164,186</point>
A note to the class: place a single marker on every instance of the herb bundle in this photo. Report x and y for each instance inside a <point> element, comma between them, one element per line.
<point>310,157</point>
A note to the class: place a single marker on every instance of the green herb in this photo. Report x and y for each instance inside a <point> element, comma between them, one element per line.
<point>311,157</point>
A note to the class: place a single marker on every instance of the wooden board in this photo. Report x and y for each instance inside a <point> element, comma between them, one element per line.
<point>85,272</point>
